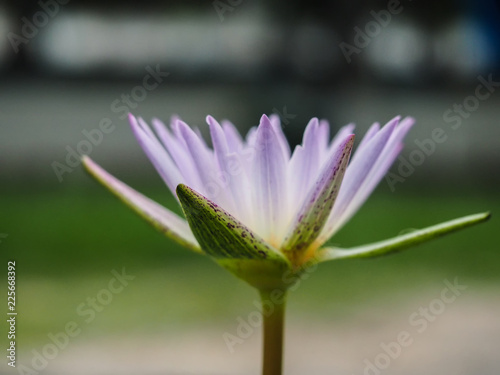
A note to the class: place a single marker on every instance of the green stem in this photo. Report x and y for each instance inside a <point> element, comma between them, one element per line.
<point>273,311</point>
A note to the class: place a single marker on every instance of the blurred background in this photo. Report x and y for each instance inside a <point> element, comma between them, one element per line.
<point>70,71</point>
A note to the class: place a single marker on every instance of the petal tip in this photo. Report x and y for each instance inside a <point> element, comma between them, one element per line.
<point>408,121</point>
<point>131,118</point>
<point>209,119</point>
<point>134,123</point>
<point>181,125</point>
<point>264,120</point>
<point>394,122</point>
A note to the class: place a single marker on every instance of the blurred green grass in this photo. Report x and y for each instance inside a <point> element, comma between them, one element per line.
<point>65,243</point>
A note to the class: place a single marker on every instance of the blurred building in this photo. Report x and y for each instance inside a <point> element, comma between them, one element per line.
<point>66,65</point>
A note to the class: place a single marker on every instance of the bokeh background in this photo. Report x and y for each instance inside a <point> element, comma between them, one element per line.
<point>68,66</point>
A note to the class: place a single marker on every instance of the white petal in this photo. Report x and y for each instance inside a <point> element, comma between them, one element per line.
<point>285,147</point>
<point>204,161</point>
<point>227,176</point>
<point>269,183</point>
<point>324,128</point>
<point>305,164</point>
<point>296,188</point>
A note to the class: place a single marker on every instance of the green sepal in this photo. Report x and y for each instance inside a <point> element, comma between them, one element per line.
<point>230,243</point>
<point>158,216</point>
<point>400,243</point>
<point>318,204</point>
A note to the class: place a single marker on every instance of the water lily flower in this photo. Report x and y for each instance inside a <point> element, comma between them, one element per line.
<point>262,211</point>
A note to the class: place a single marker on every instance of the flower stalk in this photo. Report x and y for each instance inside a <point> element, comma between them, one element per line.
<point>273,335</point>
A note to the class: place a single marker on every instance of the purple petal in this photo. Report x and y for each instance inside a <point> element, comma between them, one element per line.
<point>324,138</point>
<point>341,134</point>
<point>174,120</point>
<point>179,153</point>
<point>285,147</point>
<point>228,181</point>
<point>379,170</point>
<point>251,136</point>
<point>204,160</point>
<point>164,220</point>
<point>371,173</point>
<point>233,137</point>
<point>305,162</point>
<point>362,162</point>
<point>319,202</point>
<point>157,154</point>
<point>372,130</point>
<point>296,186</point>
<point>269,182</point>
